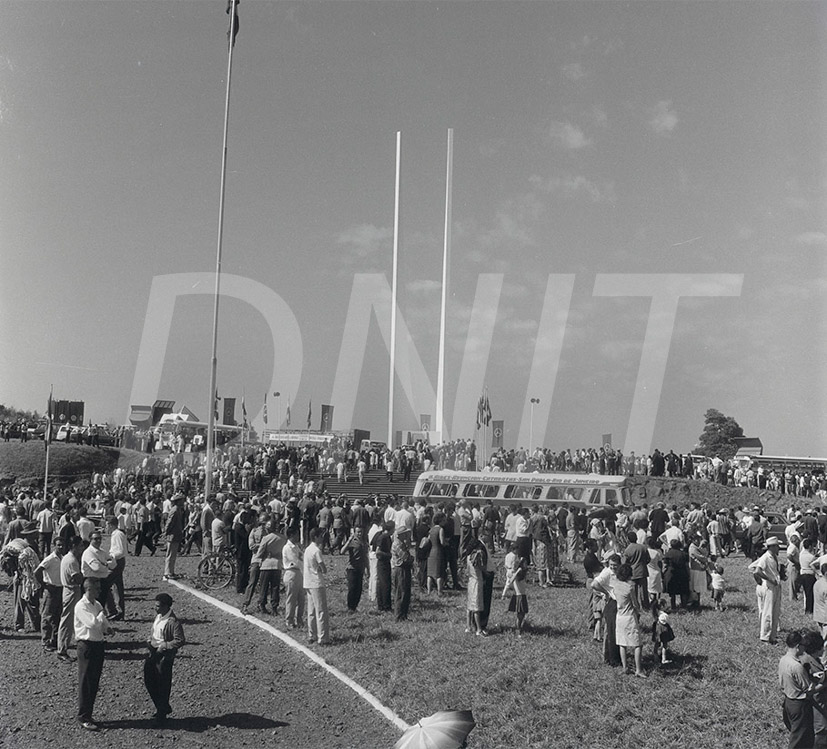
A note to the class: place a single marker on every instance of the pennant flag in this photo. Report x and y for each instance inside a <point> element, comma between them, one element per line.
<point>265,409</point>
<point>497,434</point>
<point>48,435</point>
<point>309,412</point>
<point>243,412</point>
<point>479,413</point>
<point>486,411</point>
<point>234,25</point>
<point>327,418</point>
<point>215,406</point>
<point>288,411</point>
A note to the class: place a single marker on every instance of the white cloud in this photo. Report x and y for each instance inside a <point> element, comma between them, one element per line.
<point>574,71</point>
<point>364,240</point>
<point>568,136</point>
<point>663,118</point>
<point>812,239</point>
<point>571,186</point>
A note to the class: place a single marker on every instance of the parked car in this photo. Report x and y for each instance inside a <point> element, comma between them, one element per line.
<point>68,433</point>
<point>778,525</point>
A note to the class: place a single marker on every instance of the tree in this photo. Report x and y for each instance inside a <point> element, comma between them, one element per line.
<point>717,436</point>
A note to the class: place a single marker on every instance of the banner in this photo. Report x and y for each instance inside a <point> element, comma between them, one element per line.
<point>229,412</point>
<point>425,422</point>
<point>607,440</point>
<point>327,418</point>
<point>265,409</point>
<point>497,433</point>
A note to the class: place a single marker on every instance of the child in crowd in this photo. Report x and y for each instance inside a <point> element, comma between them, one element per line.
<point>718,587</point>
<point>515,575</point>
<point>662,635</point>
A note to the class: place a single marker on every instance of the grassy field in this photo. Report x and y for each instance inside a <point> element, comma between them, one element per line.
<point>550,687</point>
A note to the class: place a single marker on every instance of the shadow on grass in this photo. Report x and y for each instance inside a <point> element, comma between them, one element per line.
<point>198,724</point>
<point>682,665</point>
<point>547,630</point>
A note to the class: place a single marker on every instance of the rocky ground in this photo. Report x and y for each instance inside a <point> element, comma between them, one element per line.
<point>234,685</point>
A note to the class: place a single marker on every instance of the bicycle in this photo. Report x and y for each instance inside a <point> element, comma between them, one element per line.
<point>217,569</point>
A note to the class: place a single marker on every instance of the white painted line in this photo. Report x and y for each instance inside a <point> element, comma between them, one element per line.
<point>307,652</point>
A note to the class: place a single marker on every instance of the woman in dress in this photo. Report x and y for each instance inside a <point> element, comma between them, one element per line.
<point>375,528</point>
<point>676,573</point>
<point>627,628</point>
<point>423,546</point>
<point>603,586</point>
<point>436,556</point>
<point>698,563</point>
<point>515,574</point>
<point>475,605</point>
<point>593,567</point>
<point>655,572</point>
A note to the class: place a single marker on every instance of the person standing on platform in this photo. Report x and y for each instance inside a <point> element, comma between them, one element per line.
<point>91,625</point>
<point>166,638</point>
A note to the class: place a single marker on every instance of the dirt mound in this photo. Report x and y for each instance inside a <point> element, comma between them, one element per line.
<point>25,462</point>
<point>680,492</point>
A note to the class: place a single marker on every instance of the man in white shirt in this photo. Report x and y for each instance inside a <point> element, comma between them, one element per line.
<point>71,579</point>
<point>90,627</point>
<point>84,525</point>
<point>48,575</point>
<point>292,575</point>
<point>45,529</point>
<point>315,583</point>
<point>118,551</point>
<point>767,576</point>
<point>97,563</point>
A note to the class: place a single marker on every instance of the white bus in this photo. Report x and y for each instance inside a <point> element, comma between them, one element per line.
<point>590,490</point>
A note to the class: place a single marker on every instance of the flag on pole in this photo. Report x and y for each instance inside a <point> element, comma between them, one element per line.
<point>288,410</point>
<point>486,411</point>
<point>243,412</point>
<point>327,418</point>
<point>265,409</point>
<point>215,406</point>
<point>479,413</point>
<point>234,25</point>
<point>309,412</point>
<point>497,433</point>
<point>48,436</point>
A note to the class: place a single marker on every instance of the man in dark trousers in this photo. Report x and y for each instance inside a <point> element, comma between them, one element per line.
<point>356,548</point>
<point>174,532</point>
<point>90,627</point>
<point>166,637</point>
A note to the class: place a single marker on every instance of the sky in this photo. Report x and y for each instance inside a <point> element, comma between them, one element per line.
<point>604,155</point>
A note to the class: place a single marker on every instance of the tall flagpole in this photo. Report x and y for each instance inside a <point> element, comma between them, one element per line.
<point>393,288</point>
<point>232,8</point>
<point>440,378</point>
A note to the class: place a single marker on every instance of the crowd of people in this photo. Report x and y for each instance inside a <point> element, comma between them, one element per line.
<point>273,512</point>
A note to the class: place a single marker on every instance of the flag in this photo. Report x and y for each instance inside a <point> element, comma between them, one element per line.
<point>327,418</point>
<point>234,25</point>
<point>48,435</point>
<point>479,413</point>
<point>265,409</point>
<point>309,412</point>
<point>425,422</point>
<point>215,406</point>
<point>486,411</point>
<point>229,411</point>
<point>288,411</point>
<point>243,412</point>
<point>497,433</point>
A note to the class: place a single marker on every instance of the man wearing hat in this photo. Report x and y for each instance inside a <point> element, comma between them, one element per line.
<point>767,573</point>
<point>166,637</point>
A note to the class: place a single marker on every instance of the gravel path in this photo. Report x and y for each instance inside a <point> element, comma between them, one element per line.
<point>233,685</point>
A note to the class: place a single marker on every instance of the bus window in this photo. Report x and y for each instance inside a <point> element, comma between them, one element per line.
<point>565,493</point>
<point>611,496</point>
<point>523,492</point>
<point>480,490</point>
<point>595,497</point>
<point>427,489</point>
<point>444,490</point>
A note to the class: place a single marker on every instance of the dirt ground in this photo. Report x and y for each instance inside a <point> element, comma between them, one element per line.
<point>233,685</point>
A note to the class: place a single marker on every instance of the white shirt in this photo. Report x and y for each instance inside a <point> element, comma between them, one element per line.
<point>291,558</point>
<point>117,544</point>
<point>90,621</point>
<point>96,563</point>
<point>314,569</point>
<point>51,569</point>
<point>157,636</point>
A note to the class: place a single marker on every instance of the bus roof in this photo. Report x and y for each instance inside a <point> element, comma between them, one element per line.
<point>484,477</point>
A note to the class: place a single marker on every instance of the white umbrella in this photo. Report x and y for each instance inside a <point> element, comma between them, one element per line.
<point>443,730</point>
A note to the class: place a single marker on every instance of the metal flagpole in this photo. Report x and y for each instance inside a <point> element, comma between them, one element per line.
<point>393,289</point>
<point>214,362</point>
<point>440,378</point>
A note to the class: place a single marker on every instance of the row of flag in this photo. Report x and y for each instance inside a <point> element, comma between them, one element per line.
<point>483,411</point>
